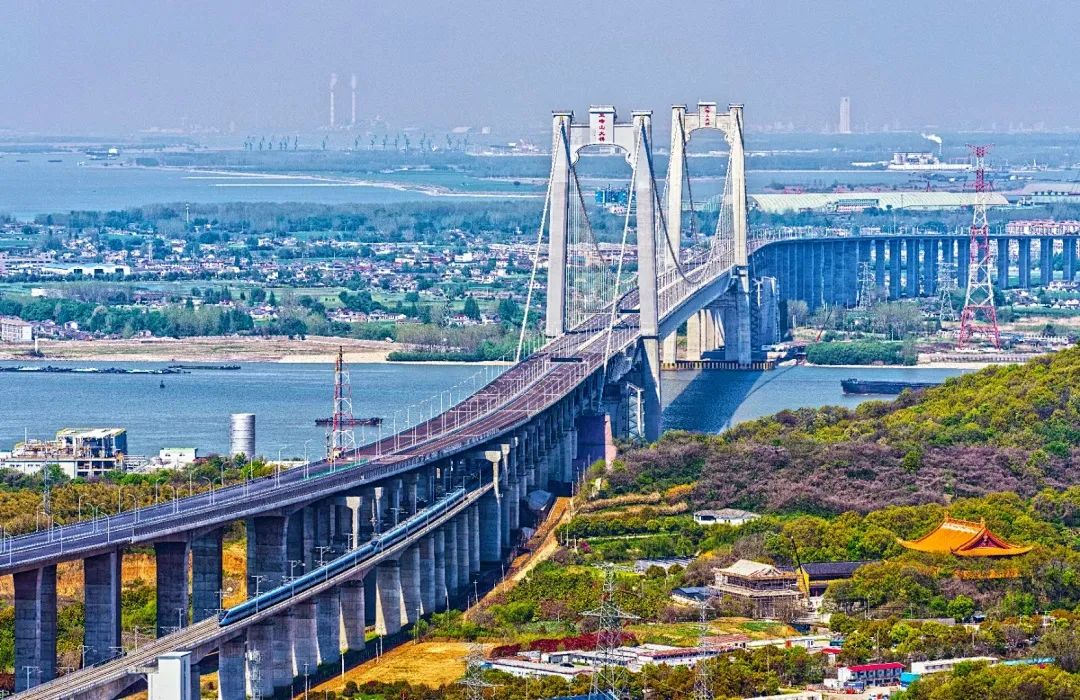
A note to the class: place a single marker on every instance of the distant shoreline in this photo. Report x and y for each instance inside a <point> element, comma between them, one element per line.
<point>208,349</point>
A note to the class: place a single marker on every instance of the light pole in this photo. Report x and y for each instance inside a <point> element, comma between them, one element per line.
<point>277,466</point>
<point>210,482</point>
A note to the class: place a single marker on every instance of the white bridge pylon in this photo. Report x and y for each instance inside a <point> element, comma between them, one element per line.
<point>634,138</point>
<point>683,125</point>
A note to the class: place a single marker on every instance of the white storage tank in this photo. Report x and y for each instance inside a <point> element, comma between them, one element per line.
<point>242,435</point>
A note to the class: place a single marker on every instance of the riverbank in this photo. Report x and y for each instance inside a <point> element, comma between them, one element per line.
<point>209,349</point>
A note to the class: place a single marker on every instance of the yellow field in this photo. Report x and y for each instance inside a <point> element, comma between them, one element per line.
<point>429,663</point>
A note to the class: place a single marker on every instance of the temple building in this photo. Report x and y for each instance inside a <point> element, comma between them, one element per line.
<point>769,592</point>
<point>964,538</point>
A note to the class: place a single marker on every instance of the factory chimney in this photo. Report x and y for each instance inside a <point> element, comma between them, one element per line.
<point>353,121</point>
<point>333,84</point>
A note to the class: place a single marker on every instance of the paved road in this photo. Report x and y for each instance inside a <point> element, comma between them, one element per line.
<point>511,399</point>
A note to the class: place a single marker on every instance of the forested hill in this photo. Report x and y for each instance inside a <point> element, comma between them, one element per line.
<point>1012,428</point>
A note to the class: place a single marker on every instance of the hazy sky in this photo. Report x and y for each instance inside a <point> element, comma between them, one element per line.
<point>111,66</point>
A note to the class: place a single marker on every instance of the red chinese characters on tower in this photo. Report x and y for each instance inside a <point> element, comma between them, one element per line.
<point>706,115</point>
<point>602,122</point>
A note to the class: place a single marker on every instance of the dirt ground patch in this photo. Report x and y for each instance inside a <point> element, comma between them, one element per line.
<point>429,663</point>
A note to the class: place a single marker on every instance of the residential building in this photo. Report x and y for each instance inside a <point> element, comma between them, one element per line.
<point>770,592</point>
<point>176,457</point>
<point>869,674</point>
<point>523,668</point>
<point>15,330</point>
<point>724,516</point>
<point>938,665</point>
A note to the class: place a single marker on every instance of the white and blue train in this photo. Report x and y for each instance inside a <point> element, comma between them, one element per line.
<point>354,557</point>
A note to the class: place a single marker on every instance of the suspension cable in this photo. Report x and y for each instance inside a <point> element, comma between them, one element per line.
<point>686,173</point>
<point>536,256</point>
<point>619,274</point>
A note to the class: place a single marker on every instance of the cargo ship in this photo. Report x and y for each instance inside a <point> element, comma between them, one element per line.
<point>863,386</point>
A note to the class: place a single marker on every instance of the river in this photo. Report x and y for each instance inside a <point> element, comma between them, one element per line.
<point>37,183</point>
<point>192,410</point>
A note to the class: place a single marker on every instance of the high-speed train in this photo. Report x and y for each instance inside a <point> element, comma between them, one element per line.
<point>343,563</point>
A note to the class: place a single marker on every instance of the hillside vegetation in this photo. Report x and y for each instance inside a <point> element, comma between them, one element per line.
<point>1011,428</point>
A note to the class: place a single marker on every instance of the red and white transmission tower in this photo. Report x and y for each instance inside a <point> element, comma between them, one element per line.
<point>341,440</point>
<point>979,315</point>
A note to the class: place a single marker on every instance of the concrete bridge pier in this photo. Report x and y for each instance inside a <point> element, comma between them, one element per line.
<point>35,627</point>
<point>912,262</point>
<point>930,266</point>
<point>328,625</point>
<point>395,494</point>
<point>281,655</point>
<point>464,543</point>
<point>491,529</point>
<point>963,261</point>
<point>303,628</point>
<point>1002,258</point>
<point>387,598</point>
<point>474,544</point>
<point>1024,262</point>
<point>441,601</point>
<point>595,441</point>
<point>427,574</point>
<point>171,564</point>
<point>352,614</point>
<point>379,505</point>
<point>765,326</point>
<point>266,549</point>
<point>450,530</point>
<point>343,527</point>
<point>366,514</point>
<point>260,666</point>
<point>894,269</point>
<point>411,606</point>
<point>879,264</point>
<point>231,676</point>
<point>830,271</point>
<point>102,583</point>
<point>1046,261</point>
<point>411,493</point>
<point>694,328</point>
<point>206,575</point>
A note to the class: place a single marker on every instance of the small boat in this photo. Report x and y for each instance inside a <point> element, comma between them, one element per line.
<point>162,384</point>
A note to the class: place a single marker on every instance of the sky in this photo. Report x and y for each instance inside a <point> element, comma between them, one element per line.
<point>112,66</point>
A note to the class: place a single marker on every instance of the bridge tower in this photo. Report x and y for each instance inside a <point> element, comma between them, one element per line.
<point>634,138</point>
<point>730,124</point>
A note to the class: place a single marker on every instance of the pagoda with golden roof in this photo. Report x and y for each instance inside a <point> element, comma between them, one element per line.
<point>964,538</point>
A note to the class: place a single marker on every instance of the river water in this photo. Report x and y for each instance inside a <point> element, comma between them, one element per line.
<point>192,410</point>
<point>32,184</point>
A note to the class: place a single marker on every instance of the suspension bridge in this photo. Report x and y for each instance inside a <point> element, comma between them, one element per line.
<point>411,523</point>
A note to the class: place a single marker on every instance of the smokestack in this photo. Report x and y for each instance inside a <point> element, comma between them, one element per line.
<point>333,84</point>
<point>353,122</point>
